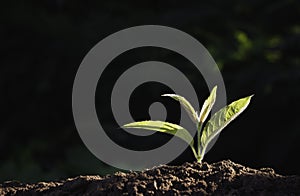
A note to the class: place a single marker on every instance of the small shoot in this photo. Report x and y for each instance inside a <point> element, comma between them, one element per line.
<point>204,135</point>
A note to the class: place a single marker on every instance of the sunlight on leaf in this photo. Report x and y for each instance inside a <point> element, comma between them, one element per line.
<point>208,104</point>
<point>221,119</point>
<point>186,105</point>
<point>164,127</point>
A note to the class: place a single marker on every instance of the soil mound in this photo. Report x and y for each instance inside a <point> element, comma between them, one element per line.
<point>221,178</point>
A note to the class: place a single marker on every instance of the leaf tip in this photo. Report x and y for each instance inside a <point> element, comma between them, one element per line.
<point>167,95</point>
<point>124,126</point>
<point>250,97</point>
<point>214,91</point>
<point>215,88</point>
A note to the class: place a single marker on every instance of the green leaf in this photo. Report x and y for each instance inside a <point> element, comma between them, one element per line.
<point>164,127</point>
<point>186,105</point>
<point>221,119</point>
<point>208,104</point>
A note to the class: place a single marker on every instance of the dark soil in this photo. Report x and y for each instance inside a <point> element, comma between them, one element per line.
<point>221,178</point>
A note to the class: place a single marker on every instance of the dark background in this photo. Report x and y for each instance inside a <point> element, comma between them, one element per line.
<point>254,42</point>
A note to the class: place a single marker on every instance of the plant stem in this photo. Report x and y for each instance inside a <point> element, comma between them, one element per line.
<point>194,151</point>
<point>199,140</point>
<point>199,159</point>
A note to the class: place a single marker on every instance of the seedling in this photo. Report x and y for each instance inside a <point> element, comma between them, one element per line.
<point>212,128</point>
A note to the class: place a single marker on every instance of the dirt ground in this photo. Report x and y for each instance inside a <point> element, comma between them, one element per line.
<point>221,178</point>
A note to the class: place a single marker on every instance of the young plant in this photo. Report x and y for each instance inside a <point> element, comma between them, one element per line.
<point>204,135</point>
